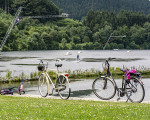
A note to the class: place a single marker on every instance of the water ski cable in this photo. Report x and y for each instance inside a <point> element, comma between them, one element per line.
<point>111,35</point>
<point>64,15</point>
<point>10,27</point>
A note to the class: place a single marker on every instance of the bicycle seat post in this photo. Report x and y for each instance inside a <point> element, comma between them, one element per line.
<point>57,65</point>
<point>57,70</point>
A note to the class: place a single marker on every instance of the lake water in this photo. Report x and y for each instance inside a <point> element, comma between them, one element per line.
<point>27,61</point>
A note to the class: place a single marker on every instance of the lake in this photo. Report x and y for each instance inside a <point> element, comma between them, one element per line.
<point>27,61</point>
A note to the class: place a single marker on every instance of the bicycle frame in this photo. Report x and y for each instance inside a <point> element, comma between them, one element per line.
<point>48,79</point>
<point>109,74</point>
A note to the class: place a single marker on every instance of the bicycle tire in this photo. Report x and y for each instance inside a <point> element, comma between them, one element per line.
<point>104,88</point>
<point>21,92</point>
<point>63,86</point>
<point>135,91</point>
<point>43,85</point>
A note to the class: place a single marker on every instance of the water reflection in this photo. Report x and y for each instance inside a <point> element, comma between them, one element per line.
<point>7,58</point>
<point>117,59</point>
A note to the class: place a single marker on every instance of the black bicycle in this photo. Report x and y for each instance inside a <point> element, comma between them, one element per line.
<point>105,87</point>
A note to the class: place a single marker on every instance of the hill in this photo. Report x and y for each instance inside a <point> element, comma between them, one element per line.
<point>31,7</point>
<point>79,8</point>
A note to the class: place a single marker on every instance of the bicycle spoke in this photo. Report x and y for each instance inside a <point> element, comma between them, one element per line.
<point>104,88</point>
<point>135,91</point>
<point>43,88</point>
<point>63,87</point>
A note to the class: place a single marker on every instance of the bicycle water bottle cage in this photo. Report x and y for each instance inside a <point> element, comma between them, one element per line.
<point>41,66</point>
<point>58,65</point>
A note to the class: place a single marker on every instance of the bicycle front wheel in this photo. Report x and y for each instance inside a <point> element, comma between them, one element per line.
<point>63,87</point>
<point>43,85</point>
<point>135,91</point>
<point>104,88</point>
<point>21,92</point>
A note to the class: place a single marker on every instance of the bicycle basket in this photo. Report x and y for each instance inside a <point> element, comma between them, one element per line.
<point>41,67</point>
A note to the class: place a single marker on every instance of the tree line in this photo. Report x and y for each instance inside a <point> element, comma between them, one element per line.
<point>79,8</point>
<point>67,34</point>
<point>31,7</point>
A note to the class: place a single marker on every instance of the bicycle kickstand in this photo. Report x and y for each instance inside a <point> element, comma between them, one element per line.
<point>118,96</point>
<point>50,93</point>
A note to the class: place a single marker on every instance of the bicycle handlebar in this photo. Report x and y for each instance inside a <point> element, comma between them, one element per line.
<point>57,60</point>
<point>110,59</point>
<point>41,61</point>
<point>107,61</point>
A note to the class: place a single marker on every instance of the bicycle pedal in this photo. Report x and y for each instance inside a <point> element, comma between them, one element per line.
<point>127,100</point>
<point>50,94</point>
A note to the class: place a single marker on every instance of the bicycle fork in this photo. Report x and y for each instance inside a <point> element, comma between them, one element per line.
<point>105,83</point>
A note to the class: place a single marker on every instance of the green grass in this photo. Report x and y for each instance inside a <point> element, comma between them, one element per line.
<point>22,108</point>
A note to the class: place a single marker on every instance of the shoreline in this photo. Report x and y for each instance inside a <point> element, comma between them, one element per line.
<point>76,74</point>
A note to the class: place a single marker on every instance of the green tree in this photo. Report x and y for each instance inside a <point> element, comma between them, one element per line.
<point>76,39</point>
<point>86,39</point>
<point>132,45</point>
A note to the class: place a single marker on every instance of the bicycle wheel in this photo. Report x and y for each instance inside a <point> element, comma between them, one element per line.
<point>63,86</point>
<point>21,92</point>
<point>43,85</point>
<point>135,91</point>
<point>104,88</point>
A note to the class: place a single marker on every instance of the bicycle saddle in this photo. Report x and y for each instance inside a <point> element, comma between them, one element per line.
<point>58,65</point>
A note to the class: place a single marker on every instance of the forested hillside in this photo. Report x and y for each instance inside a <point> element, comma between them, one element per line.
<point>79,8</point>
<point>31,7</point>
<point>57,34</point>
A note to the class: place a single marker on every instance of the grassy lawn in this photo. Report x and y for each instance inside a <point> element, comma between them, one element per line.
<point>22,108</point>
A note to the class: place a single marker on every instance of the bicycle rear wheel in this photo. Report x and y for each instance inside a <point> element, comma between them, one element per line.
<point>63,86</point>
<point>135,91</point>
<point>104,88</point>
<point>43,85</point>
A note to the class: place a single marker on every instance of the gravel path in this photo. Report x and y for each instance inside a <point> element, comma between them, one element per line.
<point>82,90</point>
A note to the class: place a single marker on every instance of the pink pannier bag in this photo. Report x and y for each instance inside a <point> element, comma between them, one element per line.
<point>128,72</point>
